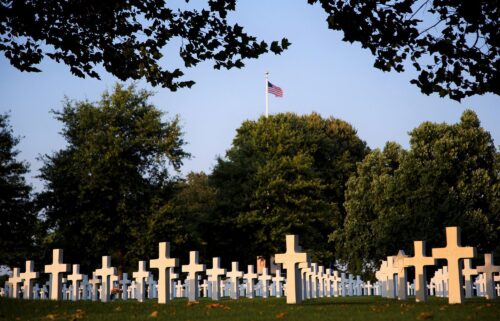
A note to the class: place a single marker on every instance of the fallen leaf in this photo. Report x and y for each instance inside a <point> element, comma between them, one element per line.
<point>154,314</point>
<point>281,315</point>
<point>424,316</point>
<point>214,305</point>
<point>118,309</point>
<point>190,303</point>
<point>51,316</point>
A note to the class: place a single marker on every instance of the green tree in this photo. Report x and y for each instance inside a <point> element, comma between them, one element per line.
<point>184,219</point>
<point>18,220</point>
<point>449,177</point>
<point>127,38</point>
<point>103,187</point>
<point>284,174</point>
<point>453,44</point>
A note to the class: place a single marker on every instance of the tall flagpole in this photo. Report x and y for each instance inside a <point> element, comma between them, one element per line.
<point>267,94</point>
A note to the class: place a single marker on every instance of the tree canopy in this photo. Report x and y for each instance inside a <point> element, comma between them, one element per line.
<point>448,177</point>
<point>284,174</point>
<point>453,44</point>
<point>115,172</point>
<point>127,38</point>
<point>18,221</point>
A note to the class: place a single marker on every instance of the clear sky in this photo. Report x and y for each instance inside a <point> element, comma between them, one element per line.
<point>318,73</point>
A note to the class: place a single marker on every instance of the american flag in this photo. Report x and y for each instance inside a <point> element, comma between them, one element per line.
<point>275,90</point>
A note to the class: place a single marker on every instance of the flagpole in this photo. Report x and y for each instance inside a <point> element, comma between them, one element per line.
<point>267,94</point>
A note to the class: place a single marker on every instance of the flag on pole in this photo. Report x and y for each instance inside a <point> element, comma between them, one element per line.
<point>275,90</point>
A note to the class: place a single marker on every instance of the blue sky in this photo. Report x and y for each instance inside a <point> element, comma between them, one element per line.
<point>318,73</point>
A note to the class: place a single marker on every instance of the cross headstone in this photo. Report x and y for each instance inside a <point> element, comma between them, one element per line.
<point>105,273</point>
<point>343,284</point>
<point>214,276</point>
<point>278,279</point>
<point>151,283</point>
<point>401,271</point>
<point>235,275</point>
<point>391,271</point>
<point>56,269</point>
<point>453,253</point>
<point>29,276</point>
<point>328,282</point>
<point>350,281</point>
<point>204,288</point>
<point>489,269</point>
<point>140,280</point>
<point>15,281</point>
<point>85,288</point>
<point>321,284</point>
<point>468,272</point>
<point>249,277</point>
<point>173,276</point>
<point>36,292</point>
<point>193,268</point>
<point>94,285</point>
<point>313,275</point>
<point>264,279</point>
<point>164,263</point>
<point>74,278</point>
<point>179,289</point>
<point>290,261</point>
<point>420,261</point>
<point>382,276</point>
<point>336,283</point>
<point>304,269</point>
<point>124,282</point>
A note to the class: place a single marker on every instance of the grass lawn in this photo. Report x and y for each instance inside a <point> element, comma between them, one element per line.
<point>342,309</point>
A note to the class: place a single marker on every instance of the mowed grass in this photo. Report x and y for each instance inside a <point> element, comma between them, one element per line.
<point>341,309</point>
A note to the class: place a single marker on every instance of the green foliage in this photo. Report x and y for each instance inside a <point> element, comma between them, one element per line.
<point>184,219</point>
<point>102,188</point>
<point>449,177</point>
<point>284,174</point>
<point>128,38</point>
<point>18,222</point>
<point>454,45</point>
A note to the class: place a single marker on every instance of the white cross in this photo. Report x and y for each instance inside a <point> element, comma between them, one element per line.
<point>382,276</point>
<point>235,275</point>
<point>420,261</point>
<point>214,275</point>
<point>453,253</point>
<point>15,280</point>
<point>468,272</point>
<point>336,282</point>
<point>105,272</point>
<point>401,271</point>
<point>290,261</point>
<point>192,269</point>
<point>304,268</point>
<point>140,276</point>
<point>55,270</point>
<point>29,275</point>
<point>124,283</point>
<point>265,278</point>
<point>74,278</point>
<point>321,284</point>
<point>36,292</point>
<point>94,282</point>
<point>204,288</point>
<point>163,263</point>
<point>249,277</point>
<point>278,279</point>
<point>489,268</point>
